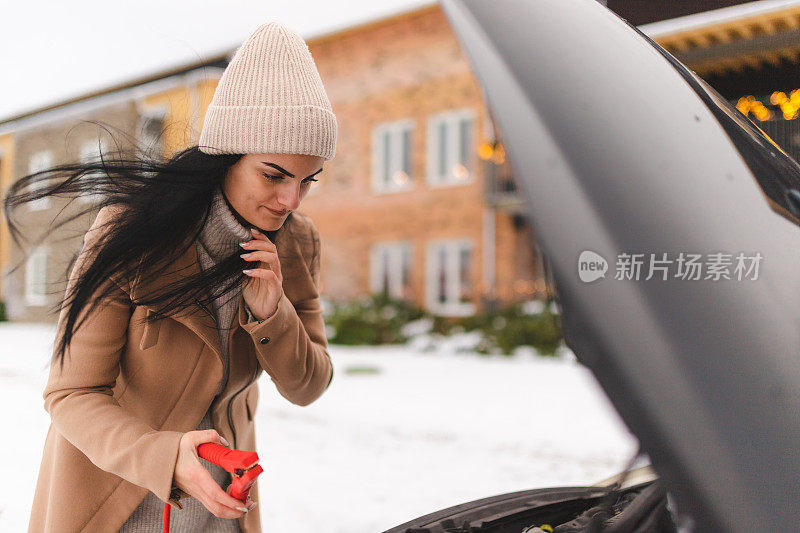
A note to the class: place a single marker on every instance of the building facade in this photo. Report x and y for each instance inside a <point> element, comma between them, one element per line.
<point>420,201</point>
<point>159,115</point>
<point>405,207</point>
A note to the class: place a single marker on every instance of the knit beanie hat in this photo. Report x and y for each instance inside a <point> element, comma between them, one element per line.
<point>270,99</point>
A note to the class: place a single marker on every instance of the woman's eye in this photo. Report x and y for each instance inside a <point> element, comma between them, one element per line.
<point>280,178</point>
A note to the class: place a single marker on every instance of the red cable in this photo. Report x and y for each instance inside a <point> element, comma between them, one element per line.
<point>166,517</point>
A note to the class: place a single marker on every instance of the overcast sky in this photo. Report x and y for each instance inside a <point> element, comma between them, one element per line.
<point>56,49</point>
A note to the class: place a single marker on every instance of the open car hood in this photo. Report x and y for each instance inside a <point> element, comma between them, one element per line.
<point>616,150</point>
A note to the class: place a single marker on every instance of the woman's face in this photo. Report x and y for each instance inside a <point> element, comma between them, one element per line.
<point>259,184</point>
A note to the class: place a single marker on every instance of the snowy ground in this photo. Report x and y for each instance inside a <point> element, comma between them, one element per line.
<point>428,430</point>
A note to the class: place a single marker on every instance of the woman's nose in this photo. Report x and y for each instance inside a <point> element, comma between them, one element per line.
<point>289,196</point>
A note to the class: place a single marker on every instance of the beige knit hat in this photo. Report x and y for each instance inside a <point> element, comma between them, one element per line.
<point>270,99</point>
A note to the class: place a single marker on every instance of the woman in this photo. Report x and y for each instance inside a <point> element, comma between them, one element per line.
<point>166,324</point>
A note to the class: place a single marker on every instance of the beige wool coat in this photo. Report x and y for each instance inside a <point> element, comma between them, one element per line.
<point>129,391</point>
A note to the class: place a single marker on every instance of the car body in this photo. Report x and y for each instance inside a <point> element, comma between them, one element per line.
<point>705,372</point>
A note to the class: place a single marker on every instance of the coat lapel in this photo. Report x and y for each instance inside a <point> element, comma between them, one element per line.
<point>196,317</point>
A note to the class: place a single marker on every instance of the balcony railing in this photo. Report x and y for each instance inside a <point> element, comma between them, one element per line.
<point>500,189</point>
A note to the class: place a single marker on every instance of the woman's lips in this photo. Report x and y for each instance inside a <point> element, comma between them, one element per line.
<point>276,213</point>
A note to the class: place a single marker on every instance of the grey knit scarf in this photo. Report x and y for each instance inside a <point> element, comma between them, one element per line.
<point>220,238</point>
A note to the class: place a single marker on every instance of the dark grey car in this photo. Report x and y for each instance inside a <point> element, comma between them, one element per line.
<point>704,371</point>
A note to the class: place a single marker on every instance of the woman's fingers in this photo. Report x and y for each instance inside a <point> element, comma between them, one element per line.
<point>260,236</point>
<point>249,504</point>
<point>226,499</point>
<point>272,255</point>
<point>195,480</point>
<point>260,242</point>
<point>270,258</point>
<point>206,435</point>
<point>264,250</point>
<point>219,502</point>
<point>263,273</point>
<point>199,484</point>
<point>255,245</point>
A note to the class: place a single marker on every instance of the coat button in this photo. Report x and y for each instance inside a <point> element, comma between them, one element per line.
<point>264,340</point>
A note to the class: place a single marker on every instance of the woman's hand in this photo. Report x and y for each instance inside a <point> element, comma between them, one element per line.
<point>192,477</point>
<point>265,287</point>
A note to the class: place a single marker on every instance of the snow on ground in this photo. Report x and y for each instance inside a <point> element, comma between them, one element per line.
<point>419,432</point>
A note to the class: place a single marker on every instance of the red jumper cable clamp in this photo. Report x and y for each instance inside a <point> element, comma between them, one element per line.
<point>242,465</point>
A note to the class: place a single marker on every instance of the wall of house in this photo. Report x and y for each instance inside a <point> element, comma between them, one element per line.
<point>409,67</point>
<point>179,101</point>
<point>63,138</point>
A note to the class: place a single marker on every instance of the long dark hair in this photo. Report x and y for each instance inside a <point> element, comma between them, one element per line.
<point>162,206</point>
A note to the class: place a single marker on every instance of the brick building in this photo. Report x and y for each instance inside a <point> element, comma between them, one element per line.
<point>419,201</point>
<point>404,207</point>
<point>162,113</point>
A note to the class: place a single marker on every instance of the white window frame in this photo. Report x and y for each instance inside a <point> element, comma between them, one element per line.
<point>145,115</point>
<point>381,184</point>
<point>451,119</point>
<point>397,251</point>
<point>35,289</point>
<point>40,160</point>
<point>88,151</point>
<point>452,247</point>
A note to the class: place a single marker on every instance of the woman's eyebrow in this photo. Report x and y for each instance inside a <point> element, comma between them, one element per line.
<point>276,167</point>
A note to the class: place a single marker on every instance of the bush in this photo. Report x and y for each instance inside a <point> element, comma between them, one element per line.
<point>541,330</point>
<point>508,327</point>
<point>3,316</point>
<point>379,319</point>
<point>376,319</point>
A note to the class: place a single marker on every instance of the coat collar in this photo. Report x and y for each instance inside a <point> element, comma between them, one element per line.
<point>197,317</point>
